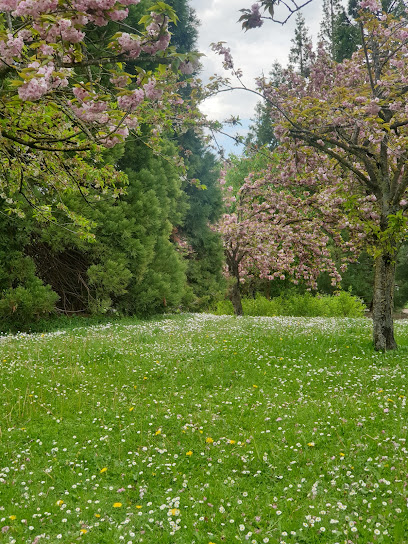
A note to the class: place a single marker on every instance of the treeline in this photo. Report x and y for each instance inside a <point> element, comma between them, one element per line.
<point>154,247</point>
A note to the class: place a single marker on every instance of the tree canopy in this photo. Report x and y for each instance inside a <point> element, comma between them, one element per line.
<point>346,125</point>
<point>76,77</point>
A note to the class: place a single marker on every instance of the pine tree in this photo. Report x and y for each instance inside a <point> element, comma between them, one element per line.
<point>261,132</point>
<point>300,54</point>
<point>185,33</point>
<point>332,14</point>
<point>132,266</point>
<point>205,255</point>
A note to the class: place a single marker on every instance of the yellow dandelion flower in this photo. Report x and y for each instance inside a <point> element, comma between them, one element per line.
<point>83,531</point>
<point>59,503</point>
<point>189,453</point>
<point>256,387</point>
<point>231,441</point>
<point>13,517</point>
<point>131,408</point>
<point>311,444</point>
<point>145,377</point>
<point>209,440</point>
<point>104,469</point>
<point>138,506</point>
<point>117,504</point>
<point>342,454</point>
<point>158,432</point>
<point>175,511</point>
<point>97,515</point>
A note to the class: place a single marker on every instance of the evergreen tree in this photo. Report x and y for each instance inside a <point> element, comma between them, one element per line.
<point>346,37</point>
<point>300,54</point>
<point>24,297</point>
<point>204,255</point>
<point>132,267</point>
<point>185,33</point>
<point>335,31</point>
<point>261,132</point>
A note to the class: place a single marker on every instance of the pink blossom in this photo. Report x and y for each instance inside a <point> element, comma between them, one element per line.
<point>34,7</point>
<point>187,67</point>
<point>11,49</point>
<point>118,14</point>
<point>131,101</point>
<point>152,92</point>
<point>8,5</point>
<point>131,46</point>
<point>39,85</point>
<point>372,5</point>
<point>117,137</point>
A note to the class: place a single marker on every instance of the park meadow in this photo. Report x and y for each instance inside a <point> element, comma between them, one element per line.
<point>204,429</point>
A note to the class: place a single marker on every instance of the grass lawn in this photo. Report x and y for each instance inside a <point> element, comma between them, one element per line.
<point>203,429</point>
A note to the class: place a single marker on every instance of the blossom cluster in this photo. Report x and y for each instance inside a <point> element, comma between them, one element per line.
<point>254,20</point>
<point>271,231</point>
<point>52,66</point>
<point>95,11</point>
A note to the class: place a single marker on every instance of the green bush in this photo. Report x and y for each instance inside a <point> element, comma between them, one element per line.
<point>262,306</point>
<point>24,304</point>
<point>343,304</point>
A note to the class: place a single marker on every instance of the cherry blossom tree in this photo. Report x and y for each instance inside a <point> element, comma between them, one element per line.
<point>74,77</point>
<point>347,124</point>
<point>270,231</point>
<point>253,17</point>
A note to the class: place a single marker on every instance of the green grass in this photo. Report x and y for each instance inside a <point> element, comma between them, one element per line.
<point>199,429</point>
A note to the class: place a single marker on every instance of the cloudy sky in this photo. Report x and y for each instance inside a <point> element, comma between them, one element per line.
<point>253,51</point>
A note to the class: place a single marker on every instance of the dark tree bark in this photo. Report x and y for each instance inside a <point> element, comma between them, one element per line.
<point>383,302</point>
<point>235,291</point>
<point>235,297</point>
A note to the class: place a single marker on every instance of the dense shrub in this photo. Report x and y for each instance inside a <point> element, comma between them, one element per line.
<point>22,305</point>
<point>342,304</point>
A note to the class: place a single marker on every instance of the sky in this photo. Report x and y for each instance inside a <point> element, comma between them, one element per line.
<point>253,51</point>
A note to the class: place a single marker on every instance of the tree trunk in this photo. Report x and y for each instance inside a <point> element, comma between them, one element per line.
<point>235,290</point>
<point>235,297</point>
<point>383,302</point>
